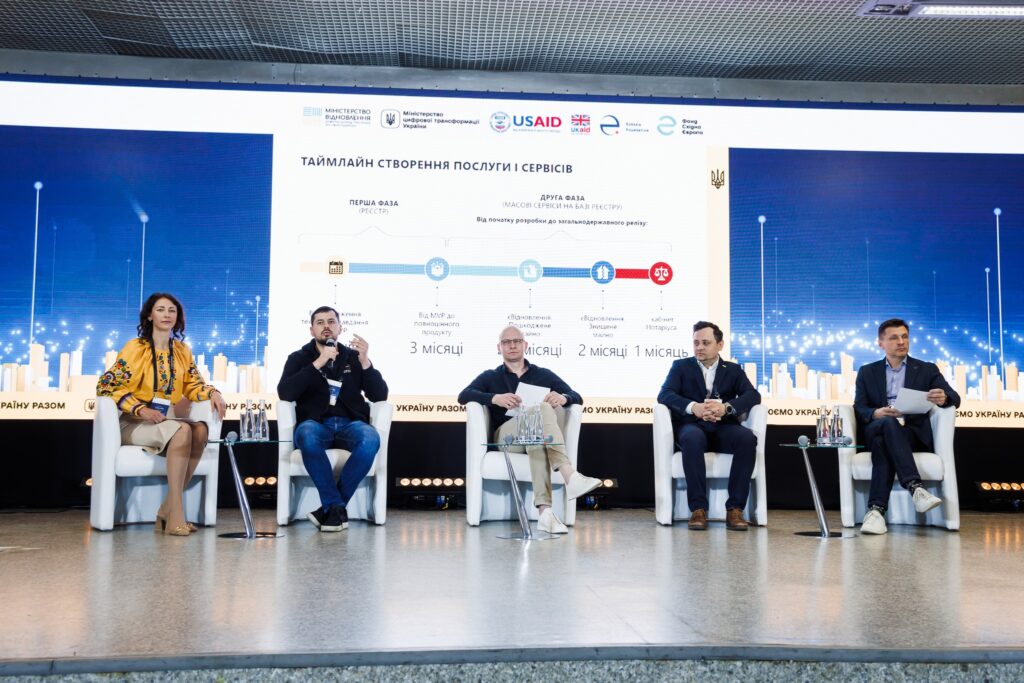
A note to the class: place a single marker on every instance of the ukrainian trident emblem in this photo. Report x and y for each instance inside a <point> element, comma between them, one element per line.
<point>718,179</point>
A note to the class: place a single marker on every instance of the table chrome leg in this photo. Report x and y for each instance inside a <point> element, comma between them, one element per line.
<point>243,500</point>
<point>517,496</point>
<point>818,507</point>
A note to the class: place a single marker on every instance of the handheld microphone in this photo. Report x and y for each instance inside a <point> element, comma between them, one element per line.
<point>231,438</point>
<point>509,439</point>
<point>803,441</point>
<point>847,440</point>
<point>330,343</point>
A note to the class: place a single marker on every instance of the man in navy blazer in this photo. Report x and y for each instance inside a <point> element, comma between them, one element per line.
<point>893,437</point>
<point>708,397</point>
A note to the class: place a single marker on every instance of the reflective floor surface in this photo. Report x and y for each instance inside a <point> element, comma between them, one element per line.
<point>428,583</point>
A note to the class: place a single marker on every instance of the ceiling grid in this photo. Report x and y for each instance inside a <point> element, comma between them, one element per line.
<point>791,40</point>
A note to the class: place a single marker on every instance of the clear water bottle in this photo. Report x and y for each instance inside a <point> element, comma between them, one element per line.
<point>536,424</point>
<point>822,427</point>
<point>836,429</point>
<point>245,422</point>
<point>264,434</point>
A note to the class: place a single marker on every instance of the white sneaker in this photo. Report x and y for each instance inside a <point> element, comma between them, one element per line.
<point>874,523</point>
<point>925,501</point>
<point>579,485</point>
<point>549,523</point>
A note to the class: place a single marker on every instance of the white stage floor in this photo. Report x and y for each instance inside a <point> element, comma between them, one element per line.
<point>428,588</point>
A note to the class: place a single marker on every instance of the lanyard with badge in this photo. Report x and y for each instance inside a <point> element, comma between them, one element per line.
<point>163,404</point>
<point>333,386</point>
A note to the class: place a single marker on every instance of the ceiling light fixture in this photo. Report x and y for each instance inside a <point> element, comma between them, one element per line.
<point>944,9</point>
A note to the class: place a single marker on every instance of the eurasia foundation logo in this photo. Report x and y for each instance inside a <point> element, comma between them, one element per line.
<point>609,125</point>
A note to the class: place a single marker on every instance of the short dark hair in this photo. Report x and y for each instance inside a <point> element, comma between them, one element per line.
<point>892,322</point>
<point>145,326</point>
<point>715,329</point>
<point>322,309</point>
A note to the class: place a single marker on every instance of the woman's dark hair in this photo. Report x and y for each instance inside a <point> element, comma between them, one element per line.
<point>145,326</point>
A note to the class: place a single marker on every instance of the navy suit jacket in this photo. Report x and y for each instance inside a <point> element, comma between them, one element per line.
<point>872,394</point>
<point>685,383</point>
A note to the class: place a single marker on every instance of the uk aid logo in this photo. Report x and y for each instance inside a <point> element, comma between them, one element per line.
<point>579,124</point>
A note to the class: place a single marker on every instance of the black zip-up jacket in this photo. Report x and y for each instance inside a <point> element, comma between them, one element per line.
<point>501,380</point>
<point>307,386</point>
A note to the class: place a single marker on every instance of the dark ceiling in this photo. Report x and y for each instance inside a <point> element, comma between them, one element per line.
<point>805,40</point>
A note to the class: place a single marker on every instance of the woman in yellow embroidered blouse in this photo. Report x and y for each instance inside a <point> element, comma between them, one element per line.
<point>150,375</point>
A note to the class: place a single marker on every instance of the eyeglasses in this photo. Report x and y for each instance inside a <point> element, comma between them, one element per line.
<point>511,342</point>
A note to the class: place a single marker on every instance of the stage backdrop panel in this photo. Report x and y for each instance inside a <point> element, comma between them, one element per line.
<point>602,227</point>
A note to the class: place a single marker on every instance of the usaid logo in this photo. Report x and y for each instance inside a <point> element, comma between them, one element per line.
<point>500,122</point>
<point>536,122</point>
<point>609,125</point>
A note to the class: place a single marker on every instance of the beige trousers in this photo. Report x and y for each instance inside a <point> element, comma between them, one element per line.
<point>152,437</point>
<point>543,459</point>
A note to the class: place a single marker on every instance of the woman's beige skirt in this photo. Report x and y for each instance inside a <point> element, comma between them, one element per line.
<point>152,437</point>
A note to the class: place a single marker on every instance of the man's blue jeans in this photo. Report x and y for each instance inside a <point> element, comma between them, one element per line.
<point>313,439</point>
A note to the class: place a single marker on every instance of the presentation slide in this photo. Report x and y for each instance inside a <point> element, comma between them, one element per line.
<point>601,228</point>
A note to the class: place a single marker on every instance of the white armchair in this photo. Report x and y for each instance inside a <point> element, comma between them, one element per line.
<point>938,472</point>
<point>488,495</point>
<point>670,496</point>
<point>296,494</point>
<point>128,484</point>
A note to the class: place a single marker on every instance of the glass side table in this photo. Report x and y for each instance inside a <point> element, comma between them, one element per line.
<point>823,530</point>
<point>526,534</point>
<point>243,500</point>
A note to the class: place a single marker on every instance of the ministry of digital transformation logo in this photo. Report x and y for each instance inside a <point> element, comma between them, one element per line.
<point>390,118</point>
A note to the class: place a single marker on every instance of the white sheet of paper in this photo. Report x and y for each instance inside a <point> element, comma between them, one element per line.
<point>531,395</point>
<point>912,402</point>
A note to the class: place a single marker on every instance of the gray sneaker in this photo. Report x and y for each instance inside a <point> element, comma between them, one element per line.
<point>579,485</point>
<point>925,501</point>
<point>550,524</point>
<point>874,523</point>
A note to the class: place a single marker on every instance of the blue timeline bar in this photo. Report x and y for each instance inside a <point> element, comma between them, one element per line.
<point>500,271</point>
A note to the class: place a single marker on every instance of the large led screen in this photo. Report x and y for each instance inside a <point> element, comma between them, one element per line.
<point>603,228</point>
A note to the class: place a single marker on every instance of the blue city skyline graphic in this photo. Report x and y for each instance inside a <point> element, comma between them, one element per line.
<point>854,238</point>
<point>205,198</point>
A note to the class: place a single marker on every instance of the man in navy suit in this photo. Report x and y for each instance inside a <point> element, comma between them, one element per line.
<point>893,437</point>
<point>708,397</point>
